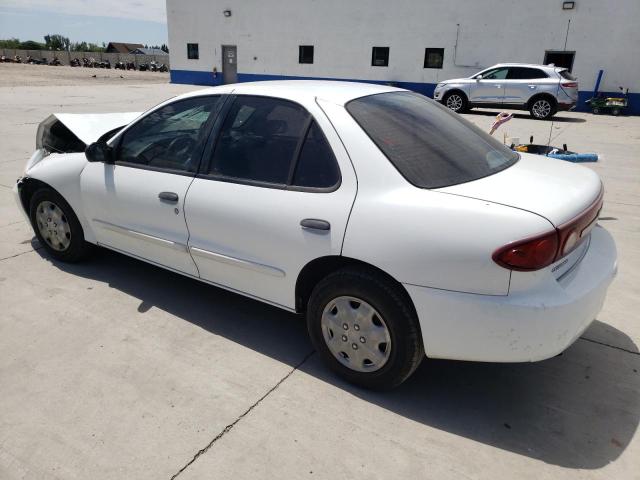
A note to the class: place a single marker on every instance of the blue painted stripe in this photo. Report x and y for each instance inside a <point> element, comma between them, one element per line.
<point>194,77</point>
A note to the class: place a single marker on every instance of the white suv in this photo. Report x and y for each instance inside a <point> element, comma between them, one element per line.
<point>543,90</point>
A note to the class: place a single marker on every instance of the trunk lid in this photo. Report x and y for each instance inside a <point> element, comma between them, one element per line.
<point>554,189</point>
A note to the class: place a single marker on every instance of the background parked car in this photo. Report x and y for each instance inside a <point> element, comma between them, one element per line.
<point>543,90</point>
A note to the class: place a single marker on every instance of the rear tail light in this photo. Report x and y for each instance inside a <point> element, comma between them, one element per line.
<point>529,254</point>
<point>535,253</point>
<point>570,84</point>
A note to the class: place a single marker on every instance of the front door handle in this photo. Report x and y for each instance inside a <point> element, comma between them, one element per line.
<point>315,224</point>
<point>168,197</point>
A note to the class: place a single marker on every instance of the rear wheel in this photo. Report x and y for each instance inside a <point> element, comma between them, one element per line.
<point>542,108</point>
<point>455,101</point>
<point>615,112</point>
<point>365,329</point>
<point>57,227</point>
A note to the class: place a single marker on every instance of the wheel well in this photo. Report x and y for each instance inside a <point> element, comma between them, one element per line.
<point>27,188</point>
<point>317,269</point>
<point>456,90</point>
<point>548,96</point>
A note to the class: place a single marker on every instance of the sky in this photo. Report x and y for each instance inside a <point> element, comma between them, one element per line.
<point>97,21</point>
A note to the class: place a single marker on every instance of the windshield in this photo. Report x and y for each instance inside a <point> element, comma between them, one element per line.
<point>431,146</point>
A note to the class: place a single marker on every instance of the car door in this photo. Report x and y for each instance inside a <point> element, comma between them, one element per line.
<point>522,83</point>
<point>489,88</point>
<point>274,192</point>
<point>135,203</point>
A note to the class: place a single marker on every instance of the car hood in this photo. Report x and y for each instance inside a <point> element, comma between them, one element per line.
<point>72,132</point>
<point>555,189</point>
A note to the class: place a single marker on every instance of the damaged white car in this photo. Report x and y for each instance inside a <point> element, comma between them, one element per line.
<point>395,225</point>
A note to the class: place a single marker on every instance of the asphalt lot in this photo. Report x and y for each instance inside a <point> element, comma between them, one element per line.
<point>117,369</point>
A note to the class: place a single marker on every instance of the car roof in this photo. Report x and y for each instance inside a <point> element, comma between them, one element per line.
<point>339,92</point>
<point>532,65</point>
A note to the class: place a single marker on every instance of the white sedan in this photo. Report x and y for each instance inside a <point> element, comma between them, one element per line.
<point>399,228</point>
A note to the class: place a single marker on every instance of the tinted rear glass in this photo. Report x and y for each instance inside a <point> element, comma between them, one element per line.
<point>431,146</point>
<point>566,75</point>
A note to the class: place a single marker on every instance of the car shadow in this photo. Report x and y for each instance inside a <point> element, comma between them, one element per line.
<point>525,116</point>
<point>578,410</point>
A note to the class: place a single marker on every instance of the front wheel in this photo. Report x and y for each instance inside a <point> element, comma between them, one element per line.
<point>57,227</point>
<point>365,329</point>
<point>542,109</point>
<point>455,101</point>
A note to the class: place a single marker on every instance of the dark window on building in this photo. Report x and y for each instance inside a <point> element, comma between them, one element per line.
<point>380,57</point>
<point>525,73</point>
<point>316,166</point>
<point>305,54</point>
<point>170,137</point>
<point>560,59</point>
<point>259,139</point>
<point>192,51</point>
<point>433,57</point>
<point>431,146</point>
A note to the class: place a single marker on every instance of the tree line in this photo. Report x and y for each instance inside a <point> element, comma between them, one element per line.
<point>62,43</point>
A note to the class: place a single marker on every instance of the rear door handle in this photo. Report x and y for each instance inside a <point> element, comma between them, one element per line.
<point>315,224</point>
<point>168,197</point>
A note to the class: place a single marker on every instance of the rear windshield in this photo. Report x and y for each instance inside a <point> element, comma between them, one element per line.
<point>431,146</point>
<point>566,75</point>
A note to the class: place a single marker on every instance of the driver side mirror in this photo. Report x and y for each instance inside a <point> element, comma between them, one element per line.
<point>479,77</point>
<point>99,152</point>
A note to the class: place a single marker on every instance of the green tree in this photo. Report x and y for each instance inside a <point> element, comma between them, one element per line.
<point>79,47</point>
<point>10,43</point>
<point>31,45</point>
<point>57,42</point>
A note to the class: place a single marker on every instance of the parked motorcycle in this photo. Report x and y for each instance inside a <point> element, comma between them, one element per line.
<point>120,66</point>
<point>143,67</point>
<point>55,63</point>
<point>75,62</point>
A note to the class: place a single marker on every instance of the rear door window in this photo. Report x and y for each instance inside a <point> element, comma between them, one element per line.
<point>317,166</point>
<point>258,140</point>
<point>429,145</point>
<point>525,73</point>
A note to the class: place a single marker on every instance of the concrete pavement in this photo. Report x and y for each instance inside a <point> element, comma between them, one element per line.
<point>117,369</point>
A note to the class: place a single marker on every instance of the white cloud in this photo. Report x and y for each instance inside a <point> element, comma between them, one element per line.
<point>149,10</point>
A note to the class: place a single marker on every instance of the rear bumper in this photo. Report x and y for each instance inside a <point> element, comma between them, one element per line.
<point>527,326</point>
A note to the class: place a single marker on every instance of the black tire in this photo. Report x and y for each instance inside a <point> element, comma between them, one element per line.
<point>615,112</point>
<point>456,101</point>
<point>595,110</point>
<point>393,305</point>
<point>542,108</point>
<point>77,249</point>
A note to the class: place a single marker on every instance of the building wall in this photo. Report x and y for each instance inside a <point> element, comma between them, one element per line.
<point>267,33</point>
